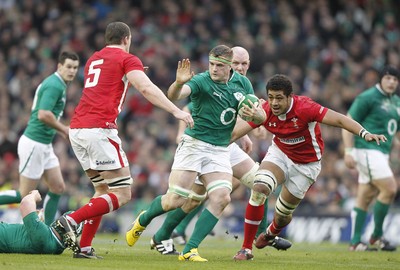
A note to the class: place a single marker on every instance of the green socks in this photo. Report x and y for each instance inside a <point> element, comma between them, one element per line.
<point>153,211</point>
<point>204,225</point>
<point>173,218</point>
<point>50,206</point>
<point>181,228</point>
<point>358,217</point>
<point>380,212</point>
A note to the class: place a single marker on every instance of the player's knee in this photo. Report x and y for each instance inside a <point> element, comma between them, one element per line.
<point>195,200</point>
<point>124,195</point>
<point>257,198</point>
<point>265,182</point>
<point>284,208</point>
<point>219,185</point>
<point>58,188</point>
<point>175,197</point>
<point>219,193</point>
<point>248,178</point>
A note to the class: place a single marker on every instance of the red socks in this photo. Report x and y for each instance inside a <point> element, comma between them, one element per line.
<point>253,217</point>
<point>96,207</point>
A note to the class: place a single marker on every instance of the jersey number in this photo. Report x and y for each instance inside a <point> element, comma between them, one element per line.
<point>96,73</point>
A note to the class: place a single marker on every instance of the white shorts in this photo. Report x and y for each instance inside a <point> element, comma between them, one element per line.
<point>236,154</point>
<point>195,155</point>
<point>371,165</point>
<point>98,148</point>
<point>298,177</point>
<point>35,157</point>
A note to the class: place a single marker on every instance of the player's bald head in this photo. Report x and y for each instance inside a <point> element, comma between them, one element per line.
<point>240,60</point>
<point>240,51</point>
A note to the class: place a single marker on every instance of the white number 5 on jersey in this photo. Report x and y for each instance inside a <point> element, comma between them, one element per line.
<point>96,73</point>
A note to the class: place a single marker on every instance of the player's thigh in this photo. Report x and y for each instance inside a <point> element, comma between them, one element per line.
<point>54,180</point>
<point>183,179</point>
<point>372,165</point>
<point>236,154</point>
<point>32,158</point>
<point>240,169</point>
<point>26,185</point>
<point>287,196</point>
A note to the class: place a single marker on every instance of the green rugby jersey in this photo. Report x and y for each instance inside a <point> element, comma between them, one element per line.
<point>214,106</point>
<point>32,237</point>
<point>50,96</point>
<point>379,113</point>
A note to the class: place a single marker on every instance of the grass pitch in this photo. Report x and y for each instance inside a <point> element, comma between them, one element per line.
<point>218,250</point>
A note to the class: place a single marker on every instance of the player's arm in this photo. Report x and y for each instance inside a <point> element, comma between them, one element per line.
<point>182,126</point>
<point>50,120</point>
<point>336,119</point>
<point>28,203</point>
<point>154,94</point>
<point>178,89</point>
<point>348,142</point>
<point>246,143</point>
<point>241,128</point>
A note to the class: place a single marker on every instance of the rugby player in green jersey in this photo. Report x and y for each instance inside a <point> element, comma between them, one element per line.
<point>35,150</point>
<point>203,150</point>
<point>32,236</point>
<point>378,110</point>
<point>243,168</point>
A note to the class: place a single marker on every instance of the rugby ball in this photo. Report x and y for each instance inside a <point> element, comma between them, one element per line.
<point>245,101</point>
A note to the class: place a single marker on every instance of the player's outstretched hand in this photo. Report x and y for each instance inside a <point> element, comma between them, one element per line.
<point>374,137</point>
<point>183,72</point>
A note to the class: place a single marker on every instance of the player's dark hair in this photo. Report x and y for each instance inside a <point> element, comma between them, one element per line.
<point>222,51</point>
<point>67,55</point>
<point>280,82</point>
<point>115,32</point>
<point>389,70</point>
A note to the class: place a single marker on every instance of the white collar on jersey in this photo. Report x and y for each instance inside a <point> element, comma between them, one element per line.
<point>283,116</point>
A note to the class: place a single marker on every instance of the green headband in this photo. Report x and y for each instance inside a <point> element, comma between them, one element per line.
<point>220,59</point>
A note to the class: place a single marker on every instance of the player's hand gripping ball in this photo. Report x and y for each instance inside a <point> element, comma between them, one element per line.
<point>245,101</point>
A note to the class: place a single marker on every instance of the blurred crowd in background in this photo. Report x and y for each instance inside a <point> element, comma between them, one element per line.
<point>330,49</point>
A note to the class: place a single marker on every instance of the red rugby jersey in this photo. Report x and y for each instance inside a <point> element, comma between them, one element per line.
<point>297,133</point>
<point>105,88</point>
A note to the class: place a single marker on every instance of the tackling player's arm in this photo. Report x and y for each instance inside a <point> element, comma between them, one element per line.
<point>241,128</point>
<point>154,94</point>
<point>182,126</point>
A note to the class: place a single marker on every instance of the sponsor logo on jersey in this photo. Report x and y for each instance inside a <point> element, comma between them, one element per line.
<point>105,162</point>
<point>271,124</point>
<point>217,94</point>
<point>292,141</point>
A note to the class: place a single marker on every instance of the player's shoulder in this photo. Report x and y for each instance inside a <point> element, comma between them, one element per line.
<point>367,93</point>
<point>303,100</point>
<point>53,81</point>
<point>116,53</point>
<point>306,105</point>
